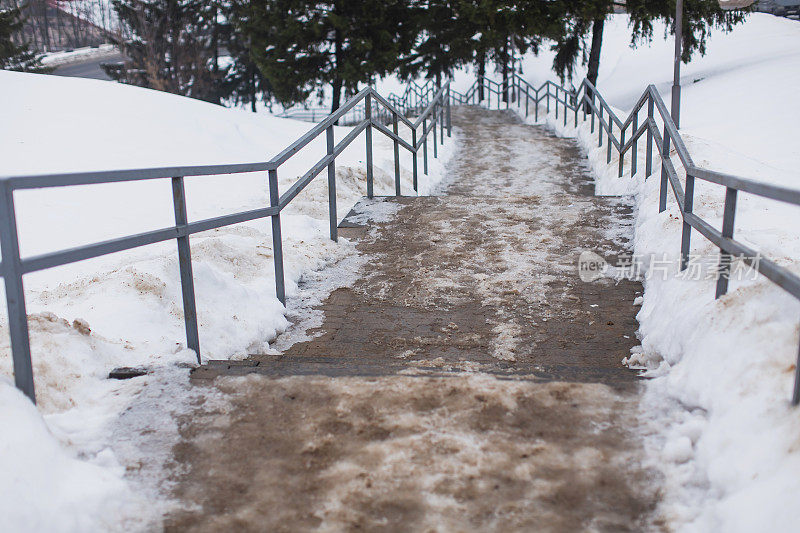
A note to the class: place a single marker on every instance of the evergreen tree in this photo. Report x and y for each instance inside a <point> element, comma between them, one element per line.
<point>171,46</point>
<point>699,17</point>
<point>578,19</point>
<point>445,32</point>
<point>453,33</point>
<point>16,55</point>
<point>300,45</point>
<point>514,27</point>
<point>583,17</point>
<point>244,83</point>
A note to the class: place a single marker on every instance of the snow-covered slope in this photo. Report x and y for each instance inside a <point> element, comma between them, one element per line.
<point>125,309</point>
<point>717,414</point>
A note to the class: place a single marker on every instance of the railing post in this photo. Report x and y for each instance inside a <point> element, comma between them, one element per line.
<point>15,295</point>
<point>185,265</point>
<point>536,108</point>
<point>610,134</point>
<point>575,103</point>
<point>527,99</point>
<point>648,163</point>
<point>414,158</point>
<point>600,127</point>
<point>433,130</point>
<point>727,232</point>
<point>449,118</point>
<point>425,145</point>
<point>332,186</point>
<point>634,148</point>
<point>556,103</point>
<point>621,153</point>
<point>441,123</point>
<point>688,203</point>
<point>585,108</point>
<point>513,90</point>
<point>547,100</point>
<point>662,195</point>
<point>368,112</point>
<point>796,391</point>
<point>396,155</point>
<point>277,241</point>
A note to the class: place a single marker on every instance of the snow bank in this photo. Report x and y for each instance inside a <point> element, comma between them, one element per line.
<point>125,309</point>
<point>717,414</point>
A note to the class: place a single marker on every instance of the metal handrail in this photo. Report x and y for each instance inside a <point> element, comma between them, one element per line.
<point>375,109</point>
<point>587,100</point>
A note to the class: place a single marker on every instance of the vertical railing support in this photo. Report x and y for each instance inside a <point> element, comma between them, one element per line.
<point>185,266</point>
<point>15,295</point>
<point>368,133</point>
<point>547,100</point>
<point>648,163</point>
<point>414,158</point>
<point>600,127</point>
<point>556,103</point>
<point>634,147</point>
<point>662,195</point>
<point>585,108</point>
<point>575,103</point>
<point>609,134</point>
<point>277,241</point>
<point>449,118</point>
<point>591,111</point>
<point>796,391</point>
<point>527,99</point>
<point>396,155</point>
<point>433,131</point>
<point>332,186</point>
<point>727,232</point>
<point>425,145</point>
<point>621,153</point>
<point>688,204</point>
<point>441,122</point>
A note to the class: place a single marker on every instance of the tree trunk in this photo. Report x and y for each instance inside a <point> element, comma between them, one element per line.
<point>253,90</point>
<point>337,93</point>
<point>594,53</point>
<point>505,73</point>
<point>481,75</point>
<point>46,28</point>
<point>215,46</point>
<point>337,80</point>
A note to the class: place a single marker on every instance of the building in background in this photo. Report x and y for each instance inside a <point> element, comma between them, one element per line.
<point>57,25</point>
<point>781,8</point>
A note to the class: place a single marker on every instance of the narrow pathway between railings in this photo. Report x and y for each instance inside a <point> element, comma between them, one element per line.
<point>469,380</point>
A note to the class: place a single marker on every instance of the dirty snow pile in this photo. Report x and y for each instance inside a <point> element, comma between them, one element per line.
<point>717,412</point>
<point>54,59</point>
<point>60,469</point>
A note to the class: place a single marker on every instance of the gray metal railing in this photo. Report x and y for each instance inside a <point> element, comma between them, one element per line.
<point>13,266</point>
<point>587,102</point>
<point>414,100</point>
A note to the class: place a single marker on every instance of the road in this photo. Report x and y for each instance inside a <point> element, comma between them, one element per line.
<point>88,68</point>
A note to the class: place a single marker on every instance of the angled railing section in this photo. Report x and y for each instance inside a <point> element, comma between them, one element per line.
<point>14,267</point>
<point>415,97</point>
<point>622,136</point>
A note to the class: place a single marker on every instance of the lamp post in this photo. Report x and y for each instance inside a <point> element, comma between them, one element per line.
<point>675,111</point>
